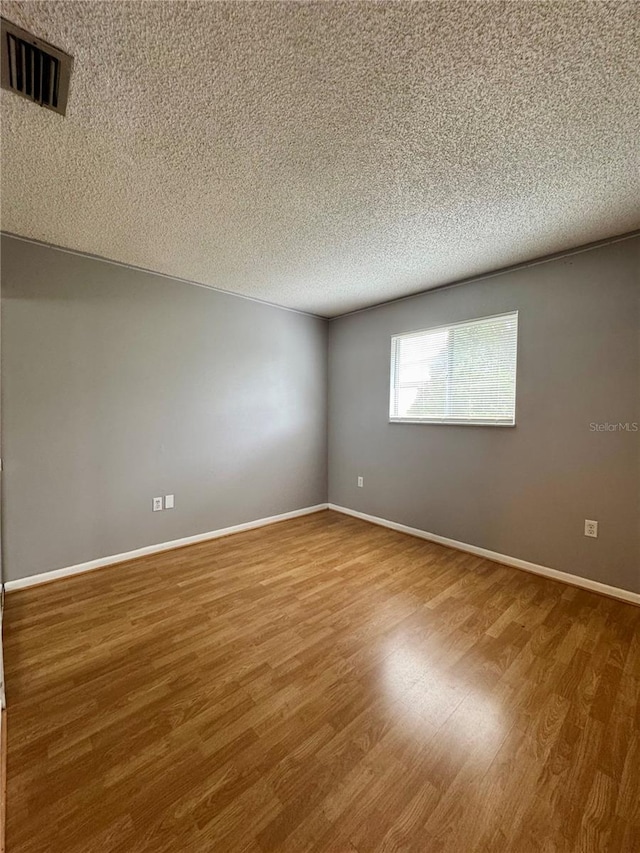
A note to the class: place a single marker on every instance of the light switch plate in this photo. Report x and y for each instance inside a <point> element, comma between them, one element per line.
<point>169,502</point>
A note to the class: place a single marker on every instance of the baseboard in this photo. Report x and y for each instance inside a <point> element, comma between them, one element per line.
<point>515,562</point>
<point>45,577</point>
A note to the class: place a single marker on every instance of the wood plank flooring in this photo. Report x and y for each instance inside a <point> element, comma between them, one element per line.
<point>322,684</point>
<point>3,776</point>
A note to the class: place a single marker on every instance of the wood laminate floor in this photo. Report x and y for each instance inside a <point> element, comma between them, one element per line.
<point>321,684</point>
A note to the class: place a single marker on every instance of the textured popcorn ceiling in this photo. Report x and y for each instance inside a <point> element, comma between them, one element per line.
<point>328,156</point>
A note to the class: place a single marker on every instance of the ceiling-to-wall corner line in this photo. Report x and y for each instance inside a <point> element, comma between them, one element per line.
<point>543,259</point>
<point>149,271</point>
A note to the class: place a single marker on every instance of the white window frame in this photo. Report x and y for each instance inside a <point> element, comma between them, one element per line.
<point>450,420</point>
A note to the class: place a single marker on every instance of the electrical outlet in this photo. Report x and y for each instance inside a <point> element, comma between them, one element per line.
<point>360,482</point>
<point>157,504</point>
<point>169,502</point>
<point>591,528</point>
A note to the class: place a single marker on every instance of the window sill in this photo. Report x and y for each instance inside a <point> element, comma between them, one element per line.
<point>449,422</point>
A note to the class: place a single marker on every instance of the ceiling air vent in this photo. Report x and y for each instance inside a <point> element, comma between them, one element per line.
<point>34,69</point>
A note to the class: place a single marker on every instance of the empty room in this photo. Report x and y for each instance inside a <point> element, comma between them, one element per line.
<point>320,426</point>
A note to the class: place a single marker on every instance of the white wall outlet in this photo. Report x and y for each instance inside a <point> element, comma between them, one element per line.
<point>169,502</point>
<point>591,528</point>
<point>157,504</point>
<point>360,482</point>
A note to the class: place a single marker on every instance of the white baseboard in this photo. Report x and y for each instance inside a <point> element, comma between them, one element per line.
<point>565,577</point>
<point>45,577</point>
<point>515,562</point>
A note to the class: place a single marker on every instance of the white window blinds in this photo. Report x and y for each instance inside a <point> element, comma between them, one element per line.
<point>464,373</point>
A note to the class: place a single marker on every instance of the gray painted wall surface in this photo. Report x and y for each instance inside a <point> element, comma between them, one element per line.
<point>522,491</point>
<point>120,385</point>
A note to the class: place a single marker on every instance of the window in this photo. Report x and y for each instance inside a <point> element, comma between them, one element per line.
<point>464,373</point>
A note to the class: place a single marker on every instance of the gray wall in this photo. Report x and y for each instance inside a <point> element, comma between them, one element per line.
<point>522,491</point>
<point>120,385</point>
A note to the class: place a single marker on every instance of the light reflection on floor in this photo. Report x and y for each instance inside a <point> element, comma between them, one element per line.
<point>440,697</point>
